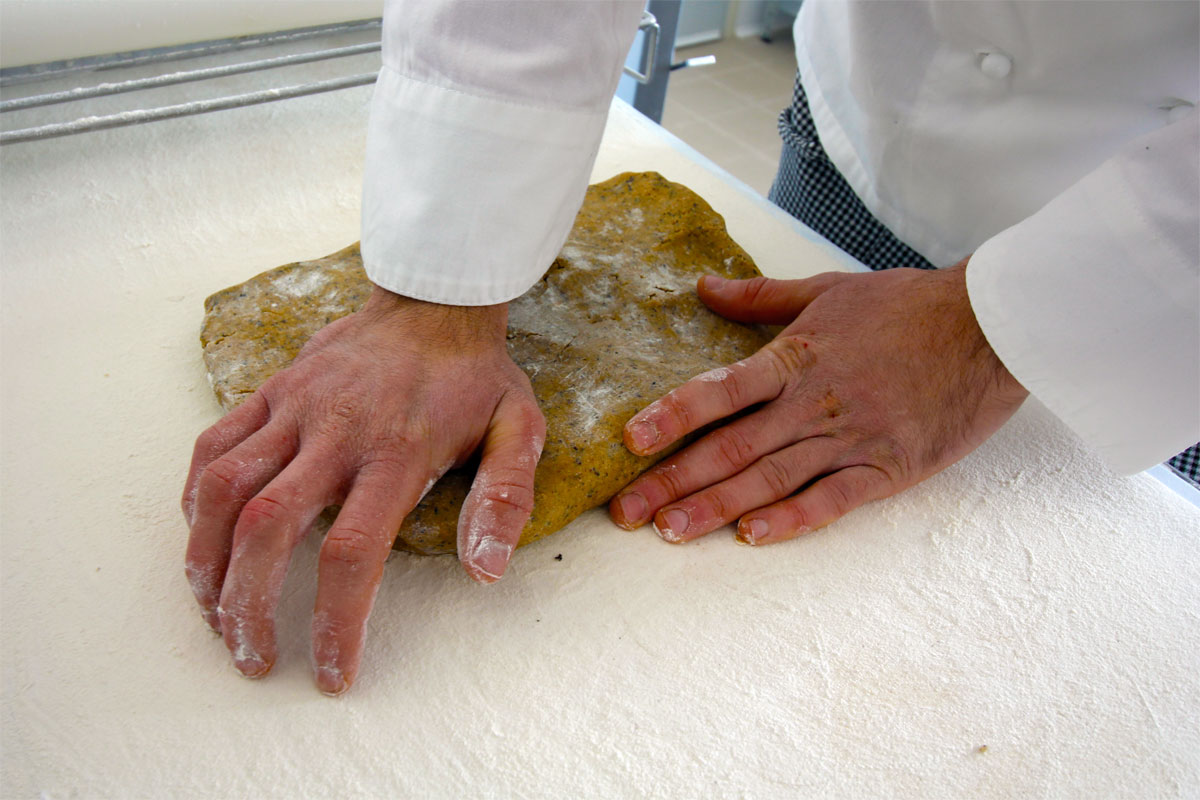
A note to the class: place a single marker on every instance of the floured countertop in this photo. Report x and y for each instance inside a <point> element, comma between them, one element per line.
<point>1023,624</point>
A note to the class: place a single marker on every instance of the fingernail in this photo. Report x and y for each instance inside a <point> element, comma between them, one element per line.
<point>634,508</point>
<point>251,667</point>
<point>715,284</point>
<point>489,559</point>
<point>331,681</point>
<point>644,434</point>
<point>751,532</point>
<point>674,525</point>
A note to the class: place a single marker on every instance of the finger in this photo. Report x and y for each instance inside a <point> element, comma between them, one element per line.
<point>501,498</point>
<point>715,395</point>
<point>222,490</point>
<point>350,567</point>
<point>719,455</point>
<point>820,504</point>
<point>763,300</point>
<point>769,479</point>
<point>228,432</point>
<point>268,529</point>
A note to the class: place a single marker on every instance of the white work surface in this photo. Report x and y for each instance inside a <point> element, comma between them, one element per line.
<point>1023,624</point>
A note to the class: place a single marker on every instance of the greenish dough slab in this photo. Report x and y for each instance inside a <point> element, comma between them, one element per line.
<point>613,325</point>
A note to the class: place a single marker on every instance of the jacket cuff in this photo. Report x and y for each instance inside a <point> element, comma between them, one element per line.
<point>1093,303</point>
<point>467,199</point>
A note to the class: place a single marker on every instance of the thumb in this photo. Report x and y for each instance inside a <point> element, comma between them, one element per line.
<point>501,498</point>
<point>763,300</point>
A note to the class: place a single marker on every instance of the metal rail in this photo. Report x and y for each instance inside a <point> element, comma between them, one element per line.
<point>88,124</point>
<point>14,76</point>
<point>170,79</point>
<point>37,72</point>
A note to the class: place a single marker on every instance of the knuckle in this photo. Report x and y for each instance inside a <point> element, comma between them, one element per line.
<point>670,478</point>
<point>397,448</point>
<point>733,447</point>
<point>261,512</point>
<point>514,494</point>
<point>788,355</point>
<point>894,463</point>
<point>525,405</point>
<point>777,476</point>
<point>799,519</point>
<point>348,547</point>
<point>344,409</point>
<point>841,496</point>
<point>391,465</point>
<point>223,481</point>
<point>733,387</point>
<point>720,505</point>
<point>210,441</point>
<point>757,289</point>
<point>678,408</point>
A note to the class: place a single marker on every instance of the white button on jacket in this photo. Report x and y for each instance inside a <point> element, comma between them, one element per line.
<point>1051,163</point>
<point>995,65</point>
<point>1030,134</point>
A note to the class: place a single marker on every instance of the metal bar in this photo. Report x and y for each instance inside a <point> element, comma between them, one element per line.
<point>84,93</point>
<point>88,124</point>
<point>650,25</point>
<point>13,76</point>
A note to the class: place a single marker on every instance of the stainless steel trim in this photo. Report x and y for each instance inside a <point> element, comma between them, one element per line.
<point>85,93</point>
<point>138,116</point>
<point>13,76</point>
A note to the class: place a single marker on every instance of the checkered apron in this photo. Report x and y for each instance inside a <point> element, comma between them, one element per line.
<point>809,187</point>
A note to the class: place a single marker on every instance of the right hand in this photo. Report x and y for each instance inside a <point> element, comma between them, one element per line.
<point>376,407</point>
<point>878,381</point>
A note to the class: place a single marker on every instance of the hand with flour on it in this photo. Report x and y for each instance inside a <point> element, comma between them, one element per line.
<point>376,407</point>
<point>878,381</point>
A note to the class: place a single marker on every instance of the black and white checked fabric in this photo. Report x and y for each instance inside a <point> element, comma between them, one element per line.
<point>1187,465</point>
<point>809,187</point>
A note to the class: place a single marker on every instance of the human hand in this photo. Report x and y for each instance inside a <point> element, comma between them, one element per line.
<point>376,407</point>
<point>878,381</point>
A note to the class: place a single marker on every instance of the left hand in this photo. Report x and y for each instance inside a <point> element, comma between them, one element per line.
<point>878,381</point>
<point>370,414</point>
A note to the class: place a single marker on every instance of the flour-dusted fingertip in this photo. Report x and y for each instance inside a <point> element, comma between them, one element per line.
<point>251,667</point>
<point>330,680</point>
<point>486,559</point>
<point>248,659</point>
<point>752,531</point>
<point>641,435</point>
<point>672,524</point>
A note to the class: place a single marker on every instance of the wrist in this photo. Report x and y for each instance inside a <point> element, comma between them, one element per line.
<point>1005,382</point>
<point>455,324</point>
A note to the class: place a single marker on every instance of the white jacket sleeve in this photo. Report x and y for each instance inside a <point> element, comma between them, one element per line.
<point>1093,302</point>
<point>485,122</point>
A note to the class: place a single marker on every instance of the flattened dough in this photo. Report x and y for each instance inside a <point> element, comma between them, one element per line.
<point>612,326</point>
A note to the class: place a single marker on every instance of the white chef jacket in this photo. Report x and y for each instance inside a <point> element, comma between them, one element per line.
<point>485,122</point>
<point>1051,139</point>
